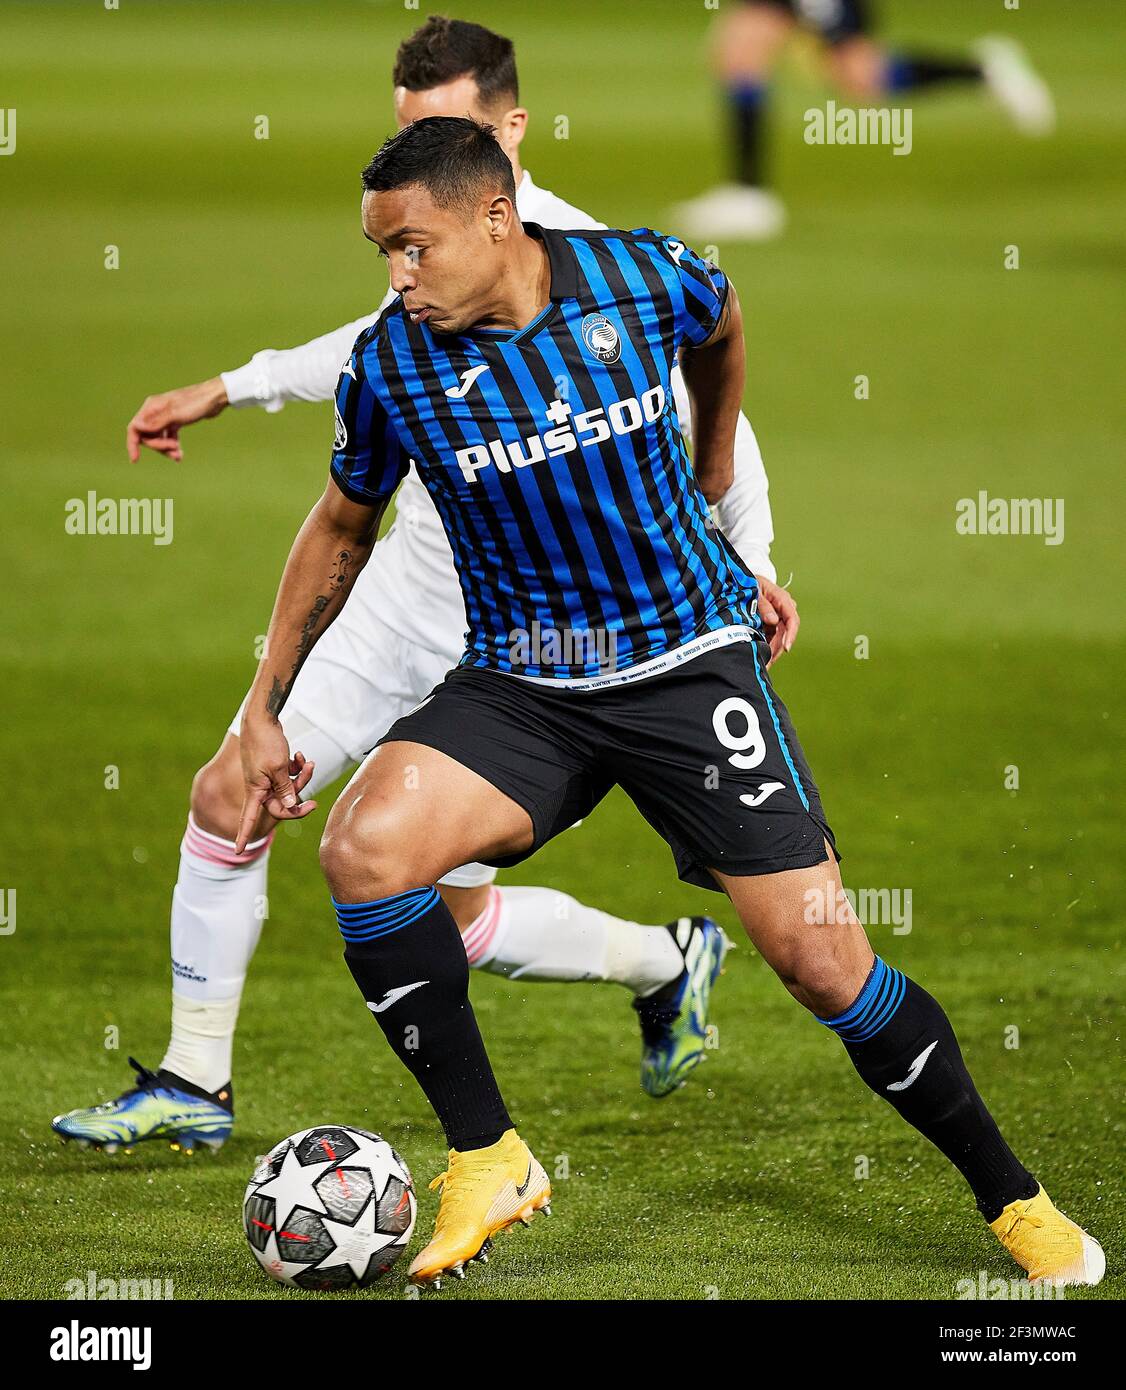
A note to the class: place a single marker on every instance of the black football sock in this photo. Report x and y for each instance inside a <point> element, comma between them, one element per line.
<point>405,953</point>
<point>747,104</point>
<point>902,1044</point>
<point>907,72</point>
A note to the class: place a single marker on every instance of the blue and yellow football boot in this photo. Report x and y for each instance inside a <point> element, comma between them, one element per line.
<point>159,1106</point>
<point>674,1019</point>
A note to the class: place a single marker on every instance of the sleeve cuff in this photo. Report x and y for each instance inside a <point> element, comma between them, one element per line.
<point>356,494</point>
<point>724,293</point>
<point>763,567</point>
<point>251,385</point>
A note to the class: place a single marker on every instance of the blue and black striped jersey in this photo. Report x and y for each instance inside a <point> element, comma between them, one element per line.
<point>554,457</point>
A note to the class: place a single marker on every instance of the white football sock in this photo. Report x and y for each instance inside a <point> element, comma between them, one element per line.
<point>218,906</point>
<point>540,934</point>
<point>203,1033</point>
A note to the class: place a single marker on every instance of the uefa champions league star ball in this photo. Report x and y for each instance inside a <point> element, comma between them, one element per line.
<point>329,1208</point>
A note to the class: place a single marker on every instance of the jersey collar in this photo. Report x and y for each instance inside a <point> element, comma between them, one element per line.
<point>561,259</point>
<point>564,285</point>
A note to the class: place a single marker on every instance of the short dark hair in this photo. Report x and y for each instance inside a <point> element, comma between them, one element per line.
<point>453,157</point>
<point>443,50</point>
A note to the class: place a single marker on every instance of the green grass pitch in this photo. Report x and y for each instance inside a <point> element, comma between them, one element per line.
<point>136,130</point>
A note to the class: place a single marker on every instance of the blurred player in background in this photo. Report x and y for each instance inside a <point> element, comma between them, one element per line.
<point>747,42</point>
<point>403,630</point>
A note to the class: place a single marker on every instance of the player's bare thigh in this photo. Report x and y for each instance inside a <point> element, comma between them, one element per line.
<point>411,814</point>
<point>823,958</point>
<point>746,40</point>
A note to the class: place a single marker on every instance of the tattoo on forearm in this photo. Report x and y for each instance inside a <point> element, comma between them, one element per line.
<point>339,576</point>
<point>337,580</point>
<point>276,698</point>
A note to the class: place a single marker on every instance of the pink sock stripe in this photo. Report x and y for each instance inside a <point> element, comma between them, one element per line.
<point>219,851</point>
<point>478,936</point>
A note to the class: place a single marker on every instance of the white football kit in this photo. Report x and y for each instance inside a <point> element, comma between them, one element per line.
<point>403,626</point>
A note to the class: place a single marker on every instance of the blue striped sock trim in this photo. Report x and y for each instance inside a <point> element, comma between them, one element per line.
<point>367,921</point>
<point>746,94</point>
<point>778,729</point>
<point>899,74</point>
<point>875,1005</point>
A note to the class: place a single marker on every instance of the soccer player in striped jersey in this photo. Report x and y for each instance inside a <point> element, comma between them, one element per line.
<point>404,628</point>
<point>613,638</point>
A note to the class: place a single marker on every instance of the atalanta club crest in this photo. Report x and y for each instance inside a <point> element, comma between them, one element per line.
<point>601,337</point>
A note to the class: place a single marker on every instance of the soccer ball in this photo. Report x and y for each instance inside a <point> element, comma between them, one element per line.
<point>329,1208</point>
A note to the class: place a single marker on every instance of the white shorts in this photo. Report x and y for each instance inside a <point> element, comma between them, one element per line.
<point>359,678</point>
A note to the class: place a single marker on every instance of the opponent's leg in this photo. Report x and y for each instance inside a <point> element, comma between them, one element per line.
<point>542,934</point>
<point>901,1043</point>
<point>382,849</point>
<point>218,906</point>
<point>530,933</point>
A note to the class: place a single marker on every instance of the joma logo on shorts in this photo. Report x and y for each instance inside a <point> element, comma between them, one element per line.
<point>571,432</point>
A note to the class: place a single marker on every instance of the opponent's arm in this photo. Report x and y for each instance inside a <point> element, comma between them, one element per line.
<point>743,509</point>
<point>158,422</point>
<point>331,549</point>
<point>743,512</point>
<point>308,372</point>
<point>714,374</point>
<point>743,515</point>
<point>270,379</point>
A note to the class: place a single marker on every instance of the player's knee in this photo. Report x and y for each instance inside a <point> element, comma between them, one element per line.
<point>859,71</point>
<point>216,801</point>
<point>365,855</point>
<point>820,981</point>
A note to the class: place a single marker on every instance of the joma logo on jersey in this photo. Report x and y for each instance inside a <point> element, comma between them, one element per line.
<point>572,432</point>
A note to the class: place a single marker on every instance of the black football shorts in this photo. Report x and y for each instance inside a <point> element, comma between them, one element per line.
<point>836,21</point>
<point>705,751</point>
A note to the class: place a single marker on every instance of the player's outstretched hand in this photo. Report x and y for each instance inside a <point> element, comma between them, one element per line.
<point>158,422</point>
<point>274,780</point>
<point>779,614</point>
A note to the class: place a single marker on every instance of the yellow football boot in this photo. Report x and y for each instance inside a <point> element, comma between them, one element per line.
<point>1045,1243</point>
<point>483,1191</point>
